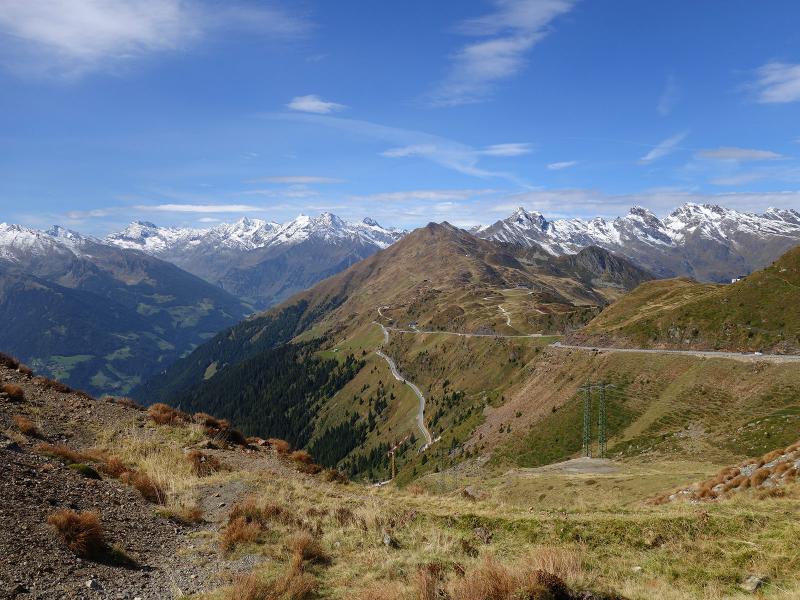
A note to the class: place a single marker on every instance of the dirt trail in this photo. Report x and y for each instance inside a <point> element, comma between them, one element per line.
<point>740,356</point>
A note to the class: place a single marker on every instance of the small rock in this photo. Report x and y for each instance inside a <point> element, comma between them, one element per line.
<point>753,583</point>
<point>483,534</point>
<point>221,505</point>
<point>92,584</point>
<point>637,569</point>
<point>389,541</point>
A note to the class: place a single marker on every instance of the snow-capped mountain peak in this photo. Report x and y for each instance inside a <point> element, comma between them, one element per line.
<point>661,245</point>
<point>250,234</point>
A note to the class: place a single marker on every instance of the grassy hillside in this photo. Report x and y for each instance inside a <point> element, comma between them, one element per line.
<point>752,315</point>
<point>250,522</point>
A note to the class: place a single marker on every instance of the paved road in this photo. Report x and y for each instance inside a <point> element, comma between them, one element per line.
<point>744,357</point>
<point>421,410</point>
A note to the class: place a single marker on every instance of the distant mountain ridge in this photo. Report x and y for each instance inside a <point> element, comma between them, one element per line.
<point>262,261</point>
<point>99,317</point>
<point>703,241</point>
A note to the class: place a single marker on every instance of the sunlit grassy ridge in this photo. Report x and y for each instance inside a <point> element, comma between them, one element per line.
<point>754,314</point>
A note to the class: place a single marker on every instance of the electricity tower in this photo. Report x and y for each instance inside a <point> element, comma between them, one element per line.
<point>601,418</point>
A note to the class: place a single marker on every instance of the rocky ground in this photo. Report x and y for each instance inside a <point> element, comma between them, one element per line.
<point>167,558</point>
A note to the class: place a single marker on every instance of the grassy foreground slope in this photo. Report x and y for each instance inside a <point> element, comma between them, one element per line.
<point>756,314</point>
<point>247,522</point>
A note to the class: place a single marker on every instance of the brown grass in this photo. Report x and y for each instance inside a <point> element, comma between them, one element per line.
<point>63,453</point>
<point>490,580</point>
<point>8,361</point>
<point>335,476</point>
<point>280,446</point>
<point>113,467</point>
<point>148,488</point>
<point>81,532</point>
<point>306,547</point>
<point>302,456</point>
<point>203,464</point>
<point>758,477</point>
<point>25,425</point>
<point>25,370</point>
<point>238,530</point>
<point>14,392</point>
<point>292,585</point>
<point>163,414</point>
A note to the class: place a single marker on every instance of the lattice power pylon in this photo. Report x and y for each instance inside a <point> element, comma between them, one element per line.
<point>587,420</point>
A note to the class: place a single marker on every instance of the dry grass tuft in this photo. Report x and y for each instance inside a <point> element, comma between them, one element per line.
<point>758,477</point>
<point>292,585</point>
<point>163,414</point>
<point>25,370</point>
<point>81,532</point>
<point>203,464</point>
<point>564,563</point>
<point>280,446</point>
<point>238,530</point>
<point>14,392</point>
<point>8,361</point>
<point>302,456</point>
<point>344,516</point>
<point>64,453</point>
<point>148,488</point>
<point>335,476</point>
<point>26,426</point>
<point>306,547</point>
<point>490,580</point>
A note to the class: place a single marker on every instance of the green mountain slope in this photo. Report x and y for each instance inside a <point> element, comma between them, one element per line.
<point>754,314</point>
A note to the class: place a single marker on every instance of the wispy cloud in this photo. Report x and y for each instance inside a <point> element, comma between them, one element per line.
<point>296,179</point>
<point>407,143</point>
<point>664,148</point>
<point>669,96</point>
<point>314,104</point>
<point>513,149</point>
<point>733,153</point>
<point>68,38</point>
<point>199,208</point>
<point>566,164</point>
<point>425,195</point>
<point>509,32</point>
<point>778,82</point>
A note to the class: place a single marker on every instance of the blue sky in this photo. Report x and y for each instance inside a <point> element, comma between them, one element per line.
<point>187,112</point>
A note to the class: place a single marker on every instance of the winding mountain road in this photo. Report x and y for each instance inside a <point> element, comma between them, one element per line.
<point>397,375</point>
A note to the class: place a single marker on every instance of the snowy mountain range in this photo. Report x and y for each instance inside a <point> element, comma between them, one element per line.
<point>704,241</point>
<point>262,261</point>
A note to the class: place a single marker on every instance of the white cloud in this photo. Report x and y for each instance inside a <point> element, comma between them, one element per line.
<point>314,104</point>
<point>739,154</point>
<point>445,152</point>
<point>669,96</point>
<point>425,195</point>
<point>557,166</point>
<point>512,149</point>
<point>510,31</point>
<point>740,178</point>
<point>68,38</point>
<point>200,208</point>
<point>778,82</point>
<point>664,147</point>
<point>296,179</point>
